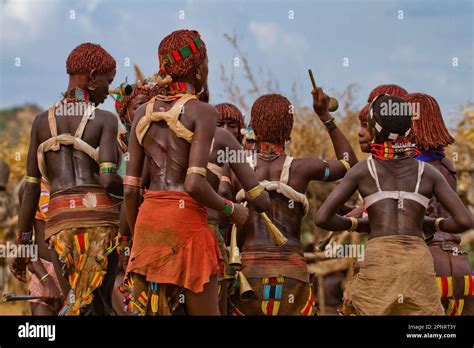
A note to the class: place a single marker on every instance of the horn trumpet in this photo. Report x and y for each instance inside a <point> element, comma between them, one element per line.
<point>246,291</point>
<point>234,258</point>
<point>278,238</point>
<point>124,90</point>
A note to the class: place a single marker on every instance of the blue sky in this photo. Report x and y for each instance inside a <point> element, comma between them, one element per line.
<point>416,52</point>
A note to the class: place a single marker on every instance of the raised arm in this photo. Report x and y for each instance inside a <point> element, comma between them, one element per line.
<point>331,170</point>
<point>112,182</point>
<point>196,184</point>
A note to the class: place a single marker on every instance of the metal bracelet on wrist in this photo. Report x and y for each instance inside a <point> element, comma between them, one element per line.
<point>330,124</point>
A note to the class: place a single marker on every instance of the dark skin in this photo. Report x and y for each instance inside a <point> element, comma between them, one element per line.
<point>288,215</point>
<point>134,104</point>
<point>38,269</point>
<point>365,138</point>
<point>302,172</point>
<point>246,176</point>
<point>385,217</point>
<point>68,167</point>
<point>229,125</point>
<point>168,158</point>
<point>132,107</point>
<point>242,171</point>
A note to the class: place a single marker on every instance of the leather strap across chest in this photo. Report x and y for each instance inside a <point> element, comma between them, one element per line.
<point>171,117</point>
<point>282,187</point>
<point>54,143</point>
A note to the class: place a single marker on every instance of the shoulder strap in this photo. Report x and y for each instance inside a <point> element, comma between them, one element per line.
<point>373,172</point>
<point>171,117</point>
<point>179,104</point>
<point>52,122</point>
<point>149,107</point>
<point>285,171</point>
<point>421,167</point>
<point>80,129</point>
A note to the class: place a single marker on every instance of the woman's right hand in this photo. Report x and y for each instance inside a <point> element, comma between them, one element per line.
<point>239,215</point>
<point>52,294</point>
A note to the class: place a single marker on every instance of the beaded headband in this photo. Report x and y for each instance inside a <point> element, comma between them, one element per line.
<point>181,53</point>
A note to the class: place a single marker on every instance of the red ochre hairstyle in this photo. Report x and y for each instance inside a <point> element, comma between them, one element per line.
<point>364,113</point>
<point>175,41</point>
<point>394,90</point>
<point>428,129</point>
<point>272,118</point>
<point>88,56</point>
<point>228,111</point>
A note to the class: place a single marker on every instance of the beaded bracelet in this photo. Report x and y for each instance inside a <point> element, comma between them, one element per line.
<point>327,171</point>
<point>107,168</point>
<point>228,207</point>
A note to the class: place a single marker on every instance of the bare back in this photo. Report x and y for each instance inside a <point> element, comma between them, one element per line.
<point>69,167</point>
<point>390,216</point>
<point>287,215</point>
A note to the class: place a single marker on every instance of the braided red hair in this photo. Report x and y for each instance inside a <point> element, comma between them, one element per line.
<point>394,90</point>
<point>176,40</point>
<point>88,56</point>
<point>272,118</point>
<point>428,129</point>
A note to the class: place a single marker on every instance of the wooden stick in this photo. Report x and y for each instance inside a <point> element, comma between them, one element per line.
<point>20,297</point>
<point>311,76</point>
<point>333,103</point>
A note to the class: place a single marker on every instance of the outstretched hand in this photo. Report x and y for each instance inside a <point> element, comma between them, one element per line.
<point>321,104</point>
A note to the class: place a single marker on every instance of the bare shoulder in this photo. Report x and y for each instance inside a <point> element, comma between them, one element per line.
<point>432,172</point>
<point>42,116</point>
<point>204,110</point>
<point>106,116</point>
<point>141,111</point>
<point>359,170</point>
<point>40,122</point>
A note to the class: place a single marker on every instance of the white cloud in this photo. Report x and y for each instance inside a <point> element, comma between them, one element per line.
<point>271,36</point>
<point>24,20</point>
